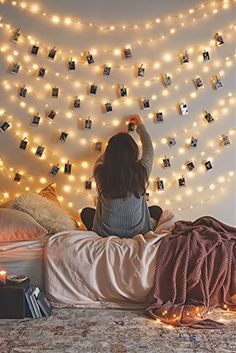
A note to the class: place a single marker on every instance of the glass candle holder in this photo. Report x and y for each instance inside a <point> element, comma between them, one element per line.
<point>3,277</point>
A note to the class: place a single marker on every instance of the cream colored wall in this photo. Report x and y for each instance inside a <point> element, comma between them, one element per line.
<point>159,56</point>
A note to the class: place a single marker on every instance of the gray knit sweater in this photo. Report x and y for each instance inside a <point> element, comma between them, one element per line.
<point>126,217</point>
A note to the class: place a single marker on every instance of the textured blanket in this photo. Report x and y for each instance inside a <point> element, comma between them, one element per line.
<point>195,272</point>
<point>83,269</point>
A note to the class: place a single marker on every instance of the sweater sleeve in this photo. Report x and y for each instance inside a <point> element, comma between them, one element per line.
<point>147,148</point>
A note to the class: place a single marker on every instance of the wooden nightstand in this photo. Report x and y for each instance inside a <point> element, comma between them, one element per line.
<point>12,301</point>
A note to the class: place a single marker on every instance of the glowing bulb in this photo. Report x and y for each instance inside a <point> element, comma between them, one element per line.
<point>84,164</point>
<point>55,19</point>
<point>117,52</point>
<point>67,21</point>
<point>67,188</point>
<point>43,180</point>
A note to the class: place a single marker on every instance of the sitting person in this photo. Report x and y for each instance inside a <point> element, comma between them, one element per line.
<point>121,180</point>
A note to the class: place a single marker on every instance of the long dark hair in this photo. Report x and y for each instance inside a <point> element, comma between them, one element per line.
<point>121,174</point>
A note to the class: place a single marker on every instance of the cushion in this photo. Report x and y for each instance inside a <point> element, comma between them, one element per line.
<point>16,225</point>
<point>50,192</point>
<point>46,212</point>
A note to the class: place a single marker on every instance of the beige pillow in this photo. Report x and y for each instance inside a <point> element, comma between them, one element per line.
<point>46,212</point>
<point>16,225</point>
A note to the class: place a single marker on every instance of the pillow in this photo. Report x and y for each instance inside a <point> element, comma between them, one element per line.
<point>46,212</point>
<point>16,225</point>
<point>50,193</point>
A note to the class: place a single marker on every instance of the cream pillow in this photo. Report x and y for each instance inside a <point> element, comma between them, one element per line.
<point>46,212</point>
<point>16,225</point>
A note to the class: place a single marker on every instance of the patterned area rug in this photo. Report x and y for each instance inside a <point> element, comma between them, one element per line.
<point>112,331</point>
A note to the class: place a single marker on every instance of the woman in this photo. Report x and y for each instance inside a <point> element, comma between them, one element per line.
<point>121,180</point>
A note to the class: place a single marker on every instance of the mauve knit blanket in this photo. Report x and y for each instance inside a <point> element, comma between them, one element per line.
<point>195,273</point>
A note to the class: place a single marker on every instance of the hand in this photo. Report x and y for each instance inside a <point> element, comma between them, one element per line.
<point>136,119</point>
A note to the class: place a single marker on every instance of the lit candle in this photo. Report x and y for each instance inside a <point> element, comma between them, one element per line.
<point>3,276</point>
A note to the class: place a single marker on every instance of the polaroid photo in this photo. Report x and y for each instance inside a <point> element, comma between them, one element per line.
<point>190,166</point>
<point>36,120</point>
<point>107,70</point>
<point>15,68</point>
<point>181,182</point>
<point>55,92</point>
<point>108,107</point>
<point>39,151</point>
<point>51,115</point>
<point>71,64</point>
<point>167,80</point>
<point>98,146</point>
<point>34,50</point>
<point>55,169</point>
<point>67,168</point>
<point>159,117</point>
<point>123,92</point>
<point>145,103</point>
<point>131,126</point>
<point>193,142</point>
<point>184,109</point>
<point>160,184</point>
<point>5,126</point>
<point>219,39</point>
<point>185,58</point>
<point>88,123</point>
<point>197,82</point>
<point>16,35</point>
<point>208,165</point>
<point>23,92</point>
<point>224,140</point>
<point>90,59</point>
<point>147,196</point>
<point>88,185</point>
<point>127,53</point>
<point>166,162</point>
<point>23,144</point>
<point>141,71</point>
<point>17,177</point>
<point>76,103</point>
<point>217,82</point>
<point>63,136</point>
<point>208,117</point>
<point>171,141</point>
<point>206,56</point>
<point>52,53</point>
<point>42,71</point>
<point>93,89</point>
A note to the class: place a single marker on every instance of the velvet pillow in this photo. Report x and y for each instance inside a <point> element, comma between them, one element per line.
<point>46,212</point>
<point>16,225</point>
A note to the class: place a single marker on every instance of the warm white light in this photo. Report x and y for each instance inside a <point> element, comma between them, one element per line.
<point>55,19</point>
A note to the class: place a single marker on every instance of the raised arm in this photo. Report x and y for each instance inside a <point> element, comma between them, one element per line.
<point>147,147</point>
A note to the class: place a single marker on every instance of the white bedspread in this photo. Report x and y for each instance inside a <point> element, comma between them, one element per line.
<point>83,269</point>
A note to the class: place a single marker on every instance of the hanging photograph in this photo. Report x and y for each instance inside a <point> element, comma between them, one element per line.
<point>55,92</point>
<point>67,168</point>
<point>217,82</point>
<point>181,182</point>
<point>34,50</point>
<point>55,169</point>
<point>190,166</point>
<point>107,70</point>
<point>88,185</point>
<point>15,68</point>
<point>76,103</point>
<point>208,165</point>
<point>166,162</point>
<point>166,80</point>
<point>42,71</point>
<point>108,107</point>
<point>90,59</point>
<point>98,146</point>
<point>88,123</point>
<point>17,177</point>
<point>23,144</point>
<point>145,103</point>
<point>51,115</point>
<point>63,136</point>
<point>141,71</point>
<point>71,64</point>
<point>206,55</point>
<point>127,53</point>
<point>208,117</point>
<point>171,141</point>
<point>23,92</point>
<point>224,140</point>
<point>5,126</point>
<point>52,53</point>
<point>36,120</point>
<point>184,109</point>
<point>160,184</point>
<point>16,35</point>
<point>193,142</point>
<point>39,151</point>
<point>197,82</point>
<point>185,58</point>
<point>123,92</point>
<point>218,39</point>
<point>159,116</point>
<point>93,89</point>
